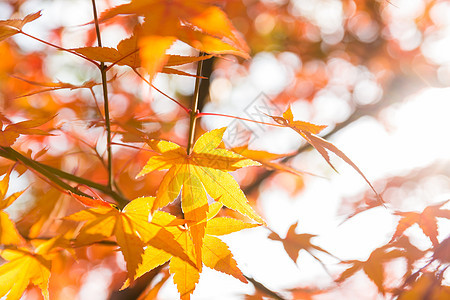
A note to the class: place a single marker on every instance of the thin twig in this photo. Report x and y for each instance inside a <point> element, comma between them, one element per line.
<point>103,69</point>
<point>194,106</point>
<point>60,48</point>
<point>122,58</point>
<point>161,92</point>
<point>238,118</point>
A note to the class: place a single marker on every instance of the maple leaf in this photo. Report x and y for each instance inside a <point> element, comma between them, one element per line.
<point>215,253</point>
<point>8,232</point>
<point>267,159</point>
<point>293,243</point>
<point>25,267</point>
<point>427,286</point>
<point>426,221</point>
<point>412,253</point>
<point>131,228</point>
<point>151,292</point>
<point>11,132</point>
<point>197,23</point>
<point>373,266</point>
<point>309,132</point>
<point>54,86</point>
<point>11,27</point>
<point>205,169</point>
<point>127,54</point>
<point>41,215</point>
<point>442,251</point>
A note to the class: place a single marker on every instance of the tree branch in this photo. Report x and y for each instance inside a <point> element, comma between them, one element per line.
<point>103,70</point>
<point>55,176</point>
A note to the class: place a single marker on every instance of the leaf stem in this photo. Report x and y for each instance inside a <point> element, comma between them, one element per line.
<point>161,92</point>
<point>103,70</point>
<point>194,107</point>
<point>238,118</point>
<point>59,48</point>
<point>122,58</point>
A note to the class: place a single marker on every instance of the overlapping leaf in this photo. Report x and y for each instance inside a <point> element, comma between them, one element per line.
<point>130,227</point>
<point>426,220</point>
<point>11,27</point>
<point>197,23</point>
<point>427,286</point>
<point>25,267</point>
<point>8,231</point>
<point>309,132</point>
<point>127,54</point>
<point>205,169</point>
<point>373,266</point>
<point>11,132</point>
<point>215,253</point>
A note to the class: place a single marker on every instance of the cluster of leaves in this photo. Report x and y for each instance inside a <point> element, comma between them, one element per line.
<point>194,203</point>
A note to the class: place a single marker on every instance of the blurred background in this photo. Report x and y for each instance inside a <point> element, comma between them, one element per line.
<point>376,72</point>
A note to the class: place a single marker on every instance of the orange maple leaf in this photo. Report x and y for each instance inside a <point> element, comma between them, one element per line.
<point>11,27</point>
<point>293,243</point>
<point>427,286</point>
<point>426,220</point>
<point>54,86</point>
<point>11,132</point>
<point>268,159</point>
<point>127,54</point>
<point>373,266</point>
<point>309,132</point>
<point>197,23</point>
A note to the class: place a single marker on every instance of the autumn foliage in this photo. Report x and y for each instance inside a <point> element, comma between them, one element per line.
<point>95,175</point>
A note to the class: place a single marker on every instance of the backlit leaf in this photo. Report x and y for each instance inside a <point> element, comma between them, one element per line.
<point>11,132</point>
<point>426,220</point>
<point>131,229</point>
<point>11,27</point>
<point>24,268</point>
<point>308,131</point>
<point>8,232</point>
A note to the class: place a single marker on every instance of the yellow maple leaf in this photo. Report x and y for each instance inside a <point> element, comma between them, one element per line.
<point>204,170</point>
<point>215,253</point>
<point>25,267</point>
<point>131,228</point>
<point>8,231</point>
